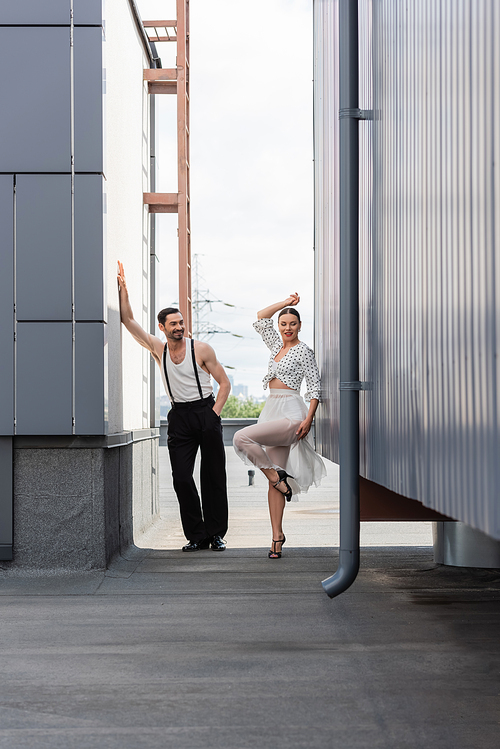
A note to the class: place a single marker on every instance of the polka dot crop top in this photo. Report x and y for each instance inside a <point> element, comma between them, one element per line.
<point>298,363</point>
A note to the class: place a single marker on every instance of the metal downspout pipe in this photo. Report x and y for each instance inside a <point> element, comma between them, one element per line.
<point>349,301</point>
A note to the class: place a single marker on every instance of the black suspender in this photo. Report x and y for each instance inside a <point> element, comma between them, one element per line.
<point>195,369</point>
<point>166,374</point>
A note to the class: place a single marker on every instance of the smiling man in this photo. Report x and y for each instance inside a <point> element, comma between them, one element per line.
<point>193,421</point>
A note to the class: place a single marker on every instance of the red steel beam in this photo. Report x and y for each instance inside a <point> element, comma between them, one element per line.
<point>185,301</point>
<point>159,24</point>
<point>161,202</point>
<point>162,38</point>
<point>162,87</point>
<point>166,82</point>
<point>160,74</point>
<point>161,80</point>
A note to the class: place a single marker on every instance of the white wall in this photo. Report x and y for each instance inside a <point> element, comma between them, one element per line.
<point>127,177</point>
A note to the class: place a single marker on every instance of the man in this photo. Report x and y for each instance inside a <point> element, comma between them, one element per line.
<point>193,421</point>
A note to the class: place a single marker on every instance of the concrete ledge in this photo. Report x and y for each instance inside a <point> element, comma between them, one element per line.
<point>229,427</point>
<point>119,439</point>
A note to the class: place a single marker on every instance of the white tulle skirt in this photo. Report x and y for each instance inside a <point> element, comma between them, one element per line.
<point>272,442</point>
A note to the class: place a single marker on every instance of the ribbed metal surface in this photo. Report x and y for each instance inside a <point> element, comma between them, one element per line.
<point>365,222</point>
<point>326,231</point>
<point>429,270</point>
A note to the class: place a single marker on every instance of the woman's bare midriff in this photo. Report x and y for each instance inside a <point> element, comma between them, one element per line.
<point>276,384</point>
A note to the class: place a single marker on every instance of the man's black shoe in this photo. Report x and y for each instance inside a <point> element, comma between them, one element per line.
<point>197,545</point>
<point>217,543</point>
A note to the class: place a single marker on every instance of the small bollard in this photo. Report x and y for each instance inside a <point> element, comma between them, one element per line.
<point>251,477</point>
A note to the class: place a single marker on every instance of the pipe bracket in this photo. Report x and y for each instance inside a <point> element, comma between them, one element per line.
<point>355,385</point>
<point>355,113</point>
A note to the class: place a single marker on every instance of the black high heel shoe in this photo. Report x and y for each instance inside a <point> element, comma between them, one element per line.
<point>283,476</point>
<point>273,554</point>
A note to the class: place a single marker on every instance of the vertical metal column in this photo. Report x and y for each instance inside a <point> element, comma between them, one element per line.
<point>183,163</point>
<point>349,301</point>
<point>72,142</point>
<point>153,260</point>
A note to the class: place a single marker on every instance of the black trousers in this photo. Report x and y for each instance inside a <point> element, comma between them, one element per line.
<point>192,426</point>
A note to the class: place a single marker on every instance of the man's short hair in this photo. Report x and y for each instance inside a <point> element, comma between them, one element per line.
<point>162,315</point>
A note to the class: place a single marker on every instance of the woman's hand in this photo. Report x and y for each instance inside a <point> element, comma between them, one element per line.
<point>268,312</point>
<point>304,429</point>
<point>292,300</point>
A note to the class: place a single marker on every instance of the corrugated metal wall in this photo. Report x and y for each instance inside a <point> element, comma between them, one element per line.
<point>326,226</point>
<point>429,249</point>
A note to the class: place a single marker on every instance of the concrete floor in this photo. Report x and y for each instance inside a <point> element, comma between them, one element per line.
<point>310,522</point>
<point>234,650</point>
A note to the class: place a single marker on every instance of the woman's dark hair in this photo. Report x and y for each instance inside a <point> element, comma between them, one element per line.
<point>163,314</point>
<point>289,311</point>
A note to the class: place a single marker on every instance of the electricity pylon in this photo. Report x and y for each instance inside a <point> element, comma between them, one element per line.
<point>203,329</point>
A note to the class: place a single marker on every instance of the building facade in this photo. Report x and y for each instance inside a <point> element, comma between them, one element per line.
<point>79,406</point>
<point>429,70</point>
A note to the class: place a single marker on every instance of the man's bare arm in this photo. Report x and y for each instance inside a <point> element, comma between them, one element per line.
<point>150,342</point>
<point>211,363</point>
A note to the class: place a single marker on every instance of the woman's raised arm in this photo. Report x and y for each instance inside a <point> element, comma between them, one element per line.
<point>268,312</point>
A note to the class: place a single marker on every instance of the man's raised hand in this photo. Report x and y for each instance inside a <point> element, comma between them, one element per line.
<point>121,277</point>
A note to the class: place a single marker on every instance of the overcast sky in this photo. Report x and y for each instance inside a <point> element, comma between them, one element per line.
<point>251,166</point>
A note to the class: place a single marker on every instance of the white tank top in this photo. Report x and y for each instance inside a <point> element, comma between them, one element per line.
<point>182,379</point>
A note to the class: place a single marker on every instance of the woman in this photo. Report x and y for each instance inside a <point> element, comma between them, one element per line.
<point>288,461</point>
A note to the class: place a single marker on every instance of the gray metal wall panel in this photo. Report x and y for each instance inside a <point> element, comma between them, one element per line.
<point>47,12</point>
<point>44,378</point>
<point>35,125</point>
<point>365,221</point>
<point>90,378</point>
<point>430,277</point>
<point>43,247</point>
<point>326,239</point>
<point>435,291</point>
<point>6,492</point>
<point>87,11</point>
<point>89,248</point>
<point>7,303</point>
<point>88,77</point>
